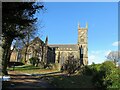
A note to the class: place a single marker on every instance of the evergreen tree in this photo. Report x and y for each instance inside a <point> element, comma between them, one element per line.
<point>16,17</point>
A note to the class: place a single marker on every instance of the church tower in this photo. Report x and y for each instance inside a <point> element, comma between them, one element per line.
<point>83,43</point>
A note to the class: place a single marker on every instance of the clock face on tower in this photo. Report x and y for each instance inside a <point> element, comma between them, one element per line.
<point>81,34</point>
<point>82,37</point>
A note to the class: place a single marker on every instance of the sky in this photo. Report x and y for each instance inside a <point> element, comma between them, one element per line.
<point>60,23</point>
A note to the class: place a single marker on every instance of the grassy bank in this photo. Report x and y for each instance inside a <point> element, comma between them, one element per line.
<point>24,67</point>
<point>75,81</point>
<point>30,70</point>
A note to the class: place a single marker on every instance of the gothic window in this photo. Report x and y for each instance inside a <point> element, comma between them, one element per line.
<point>84,50</point>
<point>81,50</point>
<point>30,55</point>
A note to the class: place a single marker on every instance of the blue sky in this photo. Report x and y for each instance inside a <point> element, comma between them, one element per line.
<point>60,22</point>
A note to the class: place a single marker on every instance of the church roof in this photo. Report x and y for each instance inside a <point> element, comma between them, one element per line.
<point>36,40</point>
<point>65,47</point>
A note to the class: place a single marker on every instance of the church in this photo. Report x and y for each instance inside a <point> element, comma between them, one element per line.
<point>78,50</point>
<point>59,53</point>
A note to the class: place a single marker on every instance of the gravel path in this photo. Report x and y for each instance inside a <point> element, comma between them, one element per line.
<point>28,82</point>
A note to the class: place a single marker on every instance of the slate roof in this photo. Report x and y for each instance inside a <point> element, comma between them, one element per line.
<point>36,39</point>
<point>65,47</point>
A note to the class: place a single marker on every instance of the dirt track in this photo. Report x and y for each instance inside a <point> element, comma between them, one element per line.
<point>27,82</point>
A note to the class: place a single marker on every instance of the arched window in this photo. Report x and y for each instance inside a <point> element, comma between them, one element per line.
<point>82,51</point>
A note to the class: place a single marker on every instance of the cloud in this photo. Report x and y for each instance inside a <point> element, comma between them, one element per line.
<point>107,52</point>
<point>92,57</point>
<point>117,43</point>
<point>95,52</point>
<point>97,56</point>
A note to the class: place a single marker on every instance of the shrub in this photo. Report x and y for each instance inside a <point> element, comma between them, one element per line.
<point>22,60</point>
<point>87,70</point>
<point>54,66</point>
<point>71,65</point>
<point>41,64</point>
<point>34,61</point>
<point>107,76</point>
<point>111,79</point>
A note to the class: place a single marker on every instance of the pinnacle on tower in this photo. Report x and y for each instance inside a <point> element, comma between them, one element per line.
<point>87,25</point>
<point>78,25</point>
<point>46,41</point>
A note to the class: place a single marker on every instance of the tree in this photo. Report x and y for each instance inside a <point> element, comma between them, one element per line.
<point>17,45</point>
<point>107,76</point>
<point>38,51</point>
<point>17,16</point>
<point>34,60</point>
<point>31,32</point>
<point>114,55</point>
<point>71,65</point>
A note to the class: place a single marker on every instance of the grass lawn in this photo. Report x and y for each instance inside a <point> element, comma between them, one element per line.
<point>59,81</point>
<point>76,81</point>
<point>24,67</point>
<point>30,69</point>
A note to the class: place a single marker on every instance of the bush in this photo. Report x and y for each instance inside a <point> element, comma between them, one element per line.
<point>88,70</point>
<point>111,79</point>
<point>34,61</point>
<point>71,65</point>
<point>22,60</point>
<point>107,76</point>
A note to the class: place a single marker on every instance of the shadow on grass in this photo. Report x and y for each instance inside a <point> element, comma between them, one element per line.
<point>75,81</point>
<point>26,84</point>
<point>50,80</point>
<point>32,82</point>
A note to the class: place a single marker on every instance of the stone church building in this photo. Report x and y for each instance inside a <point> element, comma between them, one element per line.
<point>78,50</point>
<point>59,53</point>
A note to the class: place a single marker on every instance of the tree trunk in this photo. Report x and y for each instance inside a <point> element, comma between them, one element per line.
<point>26,49</point>
<point>10,54</point>
<point>6,52</point>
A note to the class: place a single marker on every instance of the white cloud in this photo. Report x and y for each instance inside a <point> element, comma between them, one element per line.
<point>97,56</point>
<point>95,52</point>
<point>92,57</point>
<point>107,52</point>
<point>117,43</point>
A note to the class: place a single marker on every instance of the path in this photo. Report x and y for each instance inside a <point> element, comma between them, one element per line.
<point>29,81</point>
